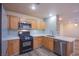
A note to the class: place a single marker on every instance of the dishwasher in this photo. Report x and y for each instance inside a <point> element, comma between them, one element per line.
<point>60,47</point>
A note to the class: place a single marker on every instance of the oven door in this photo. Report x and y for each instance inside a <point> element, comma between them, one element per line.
<point>26,46</point>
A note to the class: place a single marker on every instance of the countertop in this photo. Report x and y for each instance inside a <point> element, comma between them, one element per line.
<point>65,38</point>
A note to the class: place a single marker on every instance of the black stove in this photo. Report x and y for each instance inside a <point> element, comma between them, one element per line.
<point>26,40</point>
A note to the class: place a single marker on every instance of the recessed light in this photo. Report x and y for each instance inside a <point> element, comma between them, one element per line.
<point>50,15</point>
<point>33,7</point>
<point>60,18</point>
<point>75,25</point>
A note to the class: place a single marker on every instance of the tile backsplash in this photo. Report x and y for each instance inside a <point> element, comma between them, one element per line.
<point>32,32</point>
<point>37,32</point>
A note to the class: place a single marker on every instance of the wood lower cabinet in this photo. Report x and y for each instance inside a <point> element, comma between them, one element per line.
<point>13,47</point>
<point>43,41</point>
<point>48,43</point>
<point>37,41</point>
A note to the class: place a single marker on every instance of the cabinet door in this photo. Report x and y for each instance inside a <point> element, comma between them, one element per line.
<point>48,43</point>
<point>50,47</point>
<point>13,22</point>
<point>41,25</point>
<point>13,47</point>
<point>45,42</point>
<point>38,25</point>
<point>10,47</point>
<point>40,41</point>
<point>35,43</point>
<point>16,47</point>
<point>34,24</point>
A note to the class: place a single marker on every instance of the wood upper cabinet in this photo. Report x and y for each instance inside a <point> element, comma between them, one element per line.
<point>13,47</point>
<point>13,22</point>
<point>37,24</point>
<point>33,23</point>
<point>41,25</point>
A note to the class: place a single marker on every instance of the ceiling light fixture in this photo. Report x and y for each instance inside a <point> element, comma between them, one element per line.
<point>33,7</point>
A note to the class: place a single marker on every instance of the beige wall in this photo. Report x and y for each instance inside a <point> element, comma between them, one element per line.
<point>67,28</point>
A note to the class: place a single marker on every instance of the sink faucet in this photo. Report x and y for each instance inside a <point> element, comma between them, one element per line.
<point>51,32</point>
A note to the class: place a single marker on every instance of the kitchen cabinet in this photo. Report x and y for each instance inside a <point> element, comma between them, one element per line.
<point>41,25</point>
<point>37,42</point>
<point>33,23</point>
<point>13,47</point>
<point>13,22</point>
<point>45,42</point>
<point>48,43</point>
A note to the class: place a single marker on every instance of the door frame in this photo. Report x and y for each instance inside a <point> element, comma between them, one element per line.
<point>0,27</point>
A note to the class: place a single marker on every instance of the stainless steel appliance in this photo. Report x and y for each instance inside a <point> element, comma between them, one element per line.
<point>60,47</point>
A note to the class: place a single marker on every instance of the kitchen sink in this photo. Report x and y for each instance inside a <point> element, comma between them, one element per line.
<point>50,35</point>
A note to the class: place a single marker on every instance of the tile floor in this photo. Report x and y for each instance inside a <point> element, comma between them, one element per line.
<point>39,52</point>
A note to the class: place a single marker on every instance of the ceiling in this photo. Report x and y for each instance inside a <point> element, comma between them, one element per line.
<point>66,10</point>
